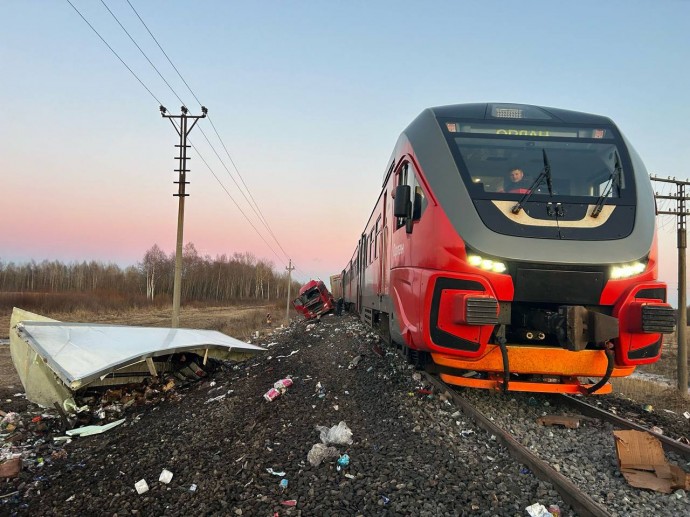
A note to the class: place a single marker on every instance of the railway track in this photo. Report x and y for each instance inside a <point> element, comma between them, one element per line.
<point>669,444</point>
<point>582,503</point>
<point>575,494</point>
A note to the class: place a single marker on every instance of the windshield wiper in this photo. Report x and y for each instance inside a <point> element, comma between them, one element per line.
<point>544,174</point>
<point>614,180</point>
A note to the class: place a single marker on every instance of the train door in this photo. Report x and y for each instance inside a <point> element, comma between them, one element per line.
<point>404,281</point>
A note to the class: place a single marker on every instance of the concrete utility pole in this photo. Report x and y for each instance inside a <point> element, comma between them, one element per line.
<point>681,329</point>
<point>287,308</point>
<point>183,131</point>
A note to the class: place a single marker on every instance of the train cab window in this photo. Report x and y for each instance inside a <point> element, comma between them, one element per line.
<point>583,162</point>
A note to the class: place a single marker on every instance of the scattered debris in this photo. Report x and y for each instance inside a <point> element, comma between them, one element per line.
<point>285,356</point>
<point>571,422</point>
<point>538,510</point>
<point>141,486</point>
<point>338,434</point>
<point>10,468</point>
<point>289,502</point>
<point>165,477</point>
<point>93,429</point>
<point>355,361</point>
<point>193,487</point>
<point>320,390</point>
<point>284,483</point>
<point>279,387</point>
<point>320,453</point>
<point>643,464</point>
<point>275,472</point>
<point>343,462</point>
<point>648,408</point>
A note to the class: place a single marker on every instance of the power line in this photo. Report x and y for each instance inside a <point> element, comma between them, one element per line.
<point>233,200</point>
<point>257,210</point>
<point>183,103</point>
<point>142,52</point>
<point>164,53</point>
<point>116,55</point>
<point>259,215</point>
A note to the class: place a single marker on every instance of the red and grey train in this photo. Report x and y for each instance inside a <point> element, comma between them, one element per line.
<point>526,289</point>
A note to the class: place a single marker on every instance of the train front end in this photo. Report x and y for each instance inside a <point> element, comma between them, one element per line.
<point>538,269</point>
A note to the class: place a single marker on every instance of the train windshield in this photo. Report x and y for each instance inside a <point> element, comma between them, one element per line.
<point>506,161</point>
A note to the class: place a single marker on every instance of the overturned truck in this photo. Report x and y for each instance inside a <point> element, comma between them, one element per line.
<point>314,300</point>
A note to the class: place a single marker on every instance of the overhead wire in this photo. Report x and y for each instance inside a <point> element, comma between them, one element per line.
<point>113,51</point>
<point>142,52</point>
<point>233,200</point>
<point>261,218</point>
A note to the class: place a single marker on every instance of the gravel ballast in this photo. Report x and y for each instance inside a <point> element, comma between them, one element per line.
<point>586,455</point>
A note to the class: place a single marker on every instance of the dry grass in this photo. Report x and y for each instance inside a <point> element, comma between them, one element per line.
<point>648,392</point>
<point>239,321</point>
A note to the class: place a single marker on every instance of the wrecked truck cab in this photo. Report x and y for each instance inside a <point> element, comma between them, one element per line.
<point>55,359</point>
<point>314,300</point>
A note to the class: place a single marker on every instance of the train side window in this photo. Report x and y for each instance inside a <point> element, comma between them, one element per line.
<point>419,201</point>
<point>377,231</point>
<point>402,180</point>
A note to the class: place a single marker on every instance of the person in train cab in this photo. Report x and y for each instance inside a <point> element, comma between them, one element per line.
<point>517,182</point>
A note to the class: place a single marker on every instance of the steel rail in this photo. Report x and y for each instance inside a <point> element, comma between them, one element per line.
<point>588,410</point>
<point>582,503</point>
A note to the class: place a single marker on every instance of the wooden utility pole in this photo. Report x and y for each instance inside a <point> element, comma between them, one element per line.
<point>681,330</point>
<point>287,308</point>
<point>183,131</point>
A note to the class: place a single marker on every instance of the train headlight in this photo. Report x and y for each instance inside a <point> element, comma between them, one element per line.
<point>627,270</point>
<point>486,264</point>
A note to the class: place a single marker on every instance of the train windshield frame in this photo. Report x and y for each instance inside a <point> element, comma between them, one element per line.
<point>585,161</point>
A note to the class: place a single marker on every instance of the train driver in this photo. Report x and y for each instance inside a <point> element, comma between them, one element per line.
<point>517,182</point>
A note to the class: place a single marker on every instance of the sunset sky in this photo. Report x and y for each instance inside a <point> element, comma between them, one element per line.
<point>309,99</point>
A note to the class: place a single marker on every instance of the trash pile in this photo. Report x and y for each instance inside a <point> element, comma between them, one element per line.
<point>321,452</point>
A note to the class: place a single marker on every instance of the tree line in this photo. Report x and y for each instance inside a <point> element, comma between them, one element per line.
<point>223,279</point>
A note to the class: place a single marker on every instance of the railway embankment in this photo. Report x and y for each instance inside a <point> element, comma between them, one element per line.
<point>412,451</point>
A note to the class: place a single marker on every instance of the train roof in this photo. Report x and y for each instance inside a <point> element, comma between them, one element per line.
<point>488,110</point>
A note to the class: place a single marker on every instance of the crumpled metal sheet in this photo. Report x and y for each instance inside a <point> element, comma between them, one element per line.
<point>79,353</point>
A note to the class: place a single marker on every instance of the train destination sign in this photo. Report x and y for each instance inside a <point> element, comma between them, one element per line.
<point>538,131</point>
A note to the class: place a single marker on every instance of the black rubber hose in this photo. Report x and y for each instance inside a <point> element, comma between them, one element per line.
<point>506,365</point>
<point>608,349</point>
